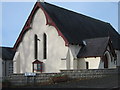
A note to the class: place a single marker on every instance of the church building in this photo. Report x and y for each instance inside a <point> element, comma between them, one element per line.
<point>54,39</point>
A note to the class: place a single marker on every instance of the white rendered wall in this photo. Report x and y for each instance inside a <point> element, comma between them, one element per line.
<point>81,63</point>
<point>73,51</point>
<point>118,57</point>
<point>93,63</point>
<point>68,59</point>
<point>56,49</point>
<point>16,61</point>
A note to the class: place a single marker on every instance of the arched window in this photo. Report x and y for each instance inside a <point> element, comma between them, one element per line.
<point>105,59</point>
<point>35,46</point>
<point>44,46</point>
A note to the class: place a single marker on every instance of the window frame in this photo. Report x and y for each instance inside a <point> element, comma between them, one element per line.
<point>39,66</point>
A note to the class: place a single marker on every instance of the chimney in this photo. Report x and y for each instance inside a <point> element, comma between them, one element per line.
<point>40,0</point>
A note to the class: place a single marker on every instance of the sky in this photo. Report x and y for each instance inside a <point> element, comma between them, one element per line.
<point>15,14</point>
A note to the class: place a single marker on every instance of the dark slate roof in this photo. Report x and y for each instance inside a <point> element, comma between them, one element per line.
<point>6,53</point>
<point>77,27</point>
<point>94,47</point>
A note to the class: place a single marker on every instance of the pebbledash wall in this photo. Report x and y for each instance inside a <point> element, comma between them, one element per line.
<point>21,79</point>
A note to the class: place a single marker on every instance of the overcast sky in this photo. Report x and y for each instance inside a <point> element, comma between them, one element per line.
<point>15,14</point>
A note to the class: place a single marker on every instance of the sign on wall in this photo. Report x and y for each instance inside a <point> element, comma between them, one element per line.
<point>30,74</point>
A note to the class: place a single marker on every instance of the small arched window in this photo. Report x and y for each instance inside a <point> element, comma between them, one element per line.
<point>44,46</point>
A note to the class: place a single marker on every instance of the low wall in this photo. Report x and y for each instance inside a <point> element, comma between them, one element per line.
<point>21,79</point>
<point>90,73</point>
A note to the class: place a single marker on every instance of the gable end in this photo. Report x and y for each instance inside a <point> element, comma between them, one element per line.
<point>27,25</point>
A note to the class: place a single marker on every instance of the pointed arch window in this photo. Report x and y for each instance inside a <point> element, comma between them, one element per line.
<point>35,46</point>
<point>44,46</point>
